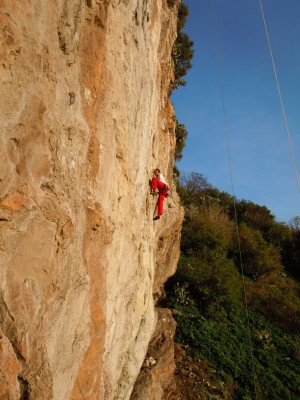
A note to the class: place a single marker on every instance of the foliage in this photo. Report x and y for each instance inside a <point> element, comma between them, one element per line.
<point>271,354</point>
<point>295,223</point>
<point>292,256</point>
<point>192,188</point>
<point>171,3</point>
<point>181,135</point>
<point>254,216</point>
<point>209,291</point>
<point>182,52</point>
<point>258,256</point>
<point>183,13</point>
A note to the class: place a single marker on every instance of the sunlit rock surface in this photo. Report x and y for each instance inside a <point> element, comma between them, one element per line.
<point>85,118</point>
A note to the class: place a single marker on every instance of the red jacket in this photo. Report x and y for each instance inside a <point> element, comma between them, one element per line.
<point>157,184</point>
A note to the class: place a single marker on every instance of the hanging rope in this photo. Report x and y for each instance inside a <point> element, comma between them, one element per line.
<point>279,94</point>
<point>226,131</point>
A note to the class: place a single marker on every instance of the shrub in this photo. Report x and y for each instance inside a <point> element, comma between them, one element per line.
<point>181,135</point>
<point>258,256</point>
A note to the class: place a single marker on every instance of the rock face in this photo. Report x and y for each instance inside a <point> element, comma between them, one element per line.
<point>9,369</point>
<point>85,118</point>
<point>158,368</point>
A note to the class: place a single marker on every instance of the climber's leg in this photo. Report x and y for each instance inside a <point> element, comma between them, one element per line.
<point>160,204</point>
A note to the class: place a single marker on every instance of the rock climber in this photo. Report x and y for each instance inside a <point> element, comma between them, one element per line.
<point>160,187</point>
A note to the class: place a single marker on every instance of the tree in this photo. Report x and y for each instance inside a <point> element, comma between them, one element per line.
<point>182,52</point>
<point>295,223</point>
<point>293,249</point>
<point>258,256</point>
<point>255,216</point>
<point>194,183</point>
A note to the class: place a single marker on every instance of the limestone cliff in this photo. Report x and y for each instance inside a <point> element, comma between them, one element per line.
<point>85,117</point>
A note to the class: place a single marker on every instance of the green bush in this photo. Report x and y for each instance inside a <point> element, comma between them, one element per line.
<point>258,256</point>
<point>181,135</point>
<point>276,373</point>
<point>208,294</point>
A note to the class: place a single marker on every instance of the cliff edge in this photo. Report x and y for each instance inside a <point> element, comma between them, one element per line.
<point>85,119</point>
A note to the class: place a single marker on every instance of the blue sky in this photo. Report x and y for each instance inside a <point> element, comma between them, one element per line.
<point>262,166</point>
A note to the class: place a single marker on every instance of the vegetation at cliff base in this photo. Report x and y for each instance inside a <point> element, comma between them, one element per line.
<point>255,349</point>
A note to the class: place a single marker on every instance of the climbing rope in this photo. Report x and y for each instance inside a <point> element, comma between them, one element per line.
<point>279,94</point>
<point>227,139</point>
